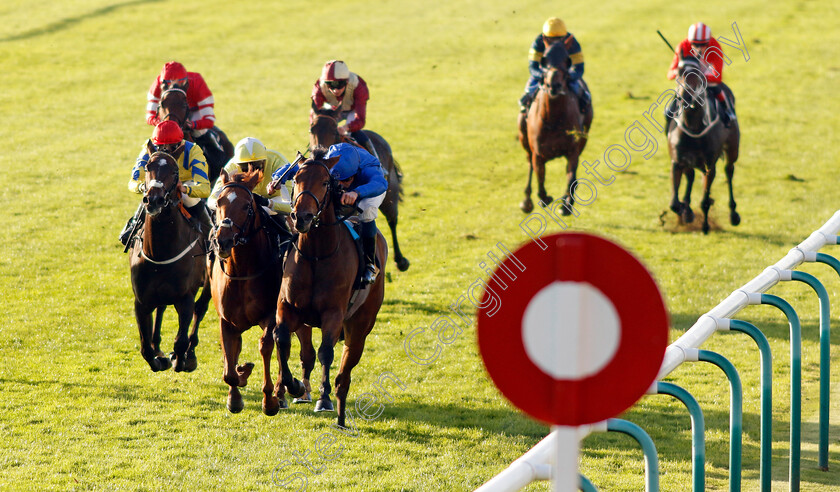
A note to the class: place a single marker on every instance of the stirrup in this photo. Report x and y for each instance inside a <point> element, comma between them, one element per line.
<point>371,272</point>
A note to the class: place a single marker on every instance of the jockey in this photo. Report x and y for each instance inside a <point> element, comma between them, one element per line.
<point>192,173</point>
<point>200,101</point>
<point>361,176</point>
<point>340,88</point>
<point>701,45</point>
<point>251,154</point>
<point>554,30</point>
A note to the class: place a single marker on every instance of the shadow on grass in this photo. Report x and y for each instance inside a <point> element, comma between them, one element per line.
<point>71,21</point>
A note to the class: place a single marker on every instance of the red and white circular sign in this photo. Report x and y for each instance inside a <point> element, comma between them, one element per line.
<point>579,336</point>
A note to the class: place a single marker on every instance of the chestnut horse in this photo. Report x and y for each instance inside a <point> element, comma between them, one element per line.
<point>324,132</point>
<point>318,279</point>
<point>167,267</point>
<point>554,127</point>
<point>245,280</point>
<point>173,106</point>
<point>696,139</point>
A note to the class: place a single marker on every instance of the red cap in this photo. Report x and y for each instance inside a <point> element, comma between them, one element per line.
<point>173,71</point>
<point>167,132</point>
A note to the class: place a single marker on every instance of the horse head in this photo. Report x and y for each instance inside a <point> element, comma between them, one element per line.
<point>556,62</point>
<point>323,131</point>
<point>236,214</point>
<point>161,180</point>
<point>173,106</point>
<point>314,187</point>
<point>692,83</point>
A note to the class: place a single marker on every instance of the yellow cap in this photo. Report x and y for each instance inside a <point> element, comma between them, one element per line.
<point>554,27</point>
<point>249,150</point>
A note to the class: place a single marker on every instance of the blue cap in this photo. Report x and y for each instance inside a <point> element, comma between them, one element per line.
<point>348,162</point>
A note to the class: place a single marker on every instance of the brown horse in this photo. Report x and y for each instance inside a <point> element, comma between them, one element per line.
<point>173,106</point>
<point>318,278</point>
<point>324,132</point>
<point>696,139</point>
<point>245,280</point>
<point>554,127</point>
<point>167,267</point>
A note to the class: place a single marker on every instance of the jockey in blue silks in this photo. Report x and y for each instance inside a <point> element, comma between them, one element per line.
<point>361,176</point>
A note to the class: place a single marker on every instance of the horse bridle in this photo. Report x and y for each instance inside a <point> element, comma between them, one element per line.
<point>159,184</point>
<point>186,106</point>
<point>242,236</point>
<point>320,205</point>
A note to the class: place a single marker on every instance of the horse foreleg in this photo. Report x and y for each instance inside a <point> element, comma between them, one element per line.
<point>157,328</point>
<point>231,346</point>
<point>143,315</point>
<point>307,361</point>
<point>270,404</point>
<point>687,213</point>
<point>707,202</point>
<point>538,164</point>
<point>332,324</point>
<point>571,177</point>
<point>527,205</point>
<point>186,309</point>
<point>734,218</point>
<point>286,320</point>
<point>199,311</point>
<point>390,209</point>
<point>676,176</point>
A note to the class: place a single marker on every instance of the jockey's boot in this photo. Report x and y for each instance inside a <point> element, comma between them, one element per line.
<point>131,225</point>
<point>525,102</point>
<point>201,221</point>
<point>369,250</point>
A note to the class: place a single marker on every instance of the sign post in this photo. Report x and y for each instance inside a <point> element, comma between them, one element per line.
<point>578,339</point>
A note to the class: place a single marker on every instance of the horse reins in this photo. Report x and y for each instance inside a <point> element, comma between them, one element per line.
<point>315,220</point>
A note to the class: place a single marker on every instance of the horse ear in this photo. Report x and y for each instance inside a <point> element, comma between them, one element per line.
<point>254,178</point>
<point>225,177</point>
<point>332,161</point>
<point>150,147</point>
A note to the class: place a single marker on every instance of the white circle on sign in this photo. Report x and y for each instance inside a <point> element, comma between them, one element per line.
<point>570,330</point>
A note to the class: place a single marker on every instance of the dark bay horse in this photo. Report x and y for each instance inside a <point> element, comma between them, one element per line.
<point>245,280</point>
<point>554,127</point>
<point>167,267</point>
<point>324,132</point>
<point>318,279</point>
<point>173,106</point>
<point>696,140</point>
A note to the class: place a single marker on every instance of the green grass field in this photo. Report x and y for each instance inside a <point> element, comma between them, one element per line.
<point>81,409</point>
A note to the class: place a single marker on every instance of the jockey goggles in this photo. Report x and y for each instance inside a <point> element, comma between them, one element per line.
<point>336,84</point>
<point>243,166</point>
<point>179,83</point>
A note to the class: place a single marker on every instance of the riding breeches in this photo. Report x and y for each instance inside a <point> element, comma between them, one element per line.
<point>370,207</point>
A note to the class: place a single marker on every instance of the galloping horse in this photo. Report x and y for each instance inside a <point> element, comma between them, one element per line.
<point>245,279</point>
<point>167,267</point>
<point>324,132</point>
<point>318,278</point>
<point>696,139</point>
<point>173,106</point>
<point>554,127</point>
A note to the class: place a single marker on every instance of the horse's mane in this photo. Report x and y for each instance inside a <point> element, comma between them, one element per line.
<point>556,56</point>
<point>319,153</point>
<point>690,61</point>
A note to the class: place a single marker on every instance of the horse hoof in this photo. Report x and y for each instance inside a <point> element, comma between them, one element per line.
<point>191,364</point>
<point>687,215</point>
<point>402,264</point>
<point>527,205</point>
<point>235,405</point>
<point>244,371</point>
<point>305,398</point>
<point>324,405</point>
<point>161,364</point>
<point>734,218</point>
<point>298,389</point>
<point>546,199</point>
<point>272,406</point>
<point>705,228</point>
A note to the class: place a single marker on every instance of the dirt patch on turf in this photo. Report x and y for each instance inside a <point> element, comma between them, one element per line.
<point>670,222</point>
